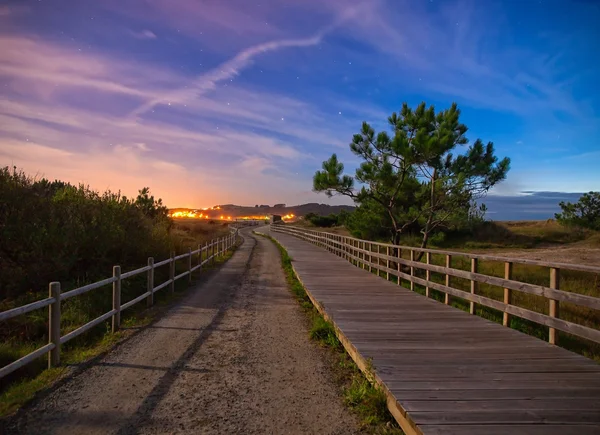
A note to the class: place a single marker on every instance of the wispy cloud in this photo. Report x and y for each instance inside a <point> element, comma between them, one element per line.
<point>231,68</point>
<point>144,34</point>
<point>457,50</point>
<point>227,70</point>
<point>44,132</point>
<point>13,10</point>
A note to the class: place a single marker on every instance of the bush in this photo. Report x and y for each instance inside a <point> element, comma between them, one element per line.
<point>322,221</point>
<point>54,231</point>
<point>583,214</point>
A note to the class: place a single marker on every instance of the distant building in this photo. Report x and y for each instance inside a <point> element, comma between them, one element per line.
<point>275,218</point>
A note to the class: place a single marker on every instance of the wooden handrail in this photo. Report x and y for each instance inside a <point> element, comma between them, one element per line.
<point>577,267</point>
<point>353,250</point>
<point>212,250</point>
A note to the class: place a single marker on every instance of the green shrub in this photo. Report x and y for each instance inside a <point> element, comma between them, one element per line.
<point>54,231</point>
<point>323,221</point>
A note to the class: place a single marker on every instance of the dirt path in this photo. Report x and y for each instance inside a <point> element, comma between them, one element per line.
<point>233,357</point>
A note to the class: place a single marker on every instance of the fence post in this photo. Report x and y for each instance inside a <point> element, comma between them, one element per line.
<point>387,262</point>
<point>54,324</point>
<point>150,287</point>
<point>370,257</point>
<point>116,318</point>
<point>359,262</point>
<point>427,272</point>
<point>189,265</point>
<point>172,272</point>
<point>554,307</point>
<point>508,267</point>
<point>399,266</point>
<point>346,247</point>
<point>412,270</point>
<point>448,265</point>
<point>213,250</point>
<point>474,285</point>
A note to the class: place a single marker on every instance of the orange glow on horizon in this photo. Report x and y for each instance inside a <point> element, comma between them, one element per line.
<point>195,214</point>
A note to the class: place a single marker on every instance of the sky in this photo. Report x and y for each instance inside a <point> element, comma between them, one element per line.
<point>212,101</point>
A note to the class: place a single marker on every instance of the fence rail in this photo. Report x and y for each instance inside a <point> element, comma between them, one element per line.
<point>208,251</point>
<point>381,256</point>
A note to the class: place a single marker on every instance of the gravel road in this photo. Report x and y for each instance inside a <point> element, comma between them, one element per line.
<point>232,357</point>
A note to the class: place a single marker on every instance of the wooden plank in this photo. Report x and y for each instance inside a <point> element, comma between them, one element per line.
<point>557,379</point>
<point>508,268</point>
<point>448,266</point>
<point>514,416</point>
<point>9,314</point>
<point>543,404</point>
<point>513,429</point>
<point>490,385</point>
<point>474,284</point>
<point>492,394</point>
<point>8,369</point>
<point>553,308</point>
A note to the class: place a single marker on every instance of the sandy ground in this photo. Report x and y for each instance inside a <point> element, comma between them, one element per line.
<point>570,254</point>
<point>233,357</point>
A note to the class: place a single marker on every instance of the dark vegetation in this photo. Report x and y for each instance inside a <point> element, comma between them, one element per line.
<point>360,392</point>
<point>54,231</point>
<point>331,220</point>
<point>585,213</point>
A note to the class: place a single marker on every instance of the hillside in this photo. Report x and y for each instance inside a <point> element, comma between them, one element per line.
<point>234,211</point>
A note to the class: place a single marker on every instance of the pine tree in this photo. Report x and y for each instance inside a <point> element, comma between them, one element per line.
<point>412,174</point>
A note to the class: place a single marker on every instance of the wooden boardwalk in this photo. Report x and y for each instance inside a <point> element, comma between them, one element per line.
<point>446,371</point>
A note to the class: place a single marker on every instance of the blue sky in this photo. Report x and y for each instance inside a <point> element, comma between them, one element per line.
<point>239,102</point>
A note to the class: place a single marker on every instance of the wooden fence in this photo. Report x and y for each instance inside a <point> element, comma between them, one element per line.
<point>387,259</point>
<point>209,252</point>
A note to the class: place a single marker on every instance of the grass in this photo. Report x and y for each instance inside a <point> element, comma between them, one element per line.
<point>22,388</point>
<point>512,234</point>
<point>360,393</point>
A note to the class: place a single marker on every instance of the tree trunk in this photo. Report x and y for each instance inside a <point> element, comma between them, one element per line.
<point>423,246</point>
<point>427,228</point>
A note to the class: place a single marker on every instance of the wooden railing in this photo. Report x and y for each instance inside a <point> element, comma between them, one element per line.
<point>387,259</point>
<point>206,254</point>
